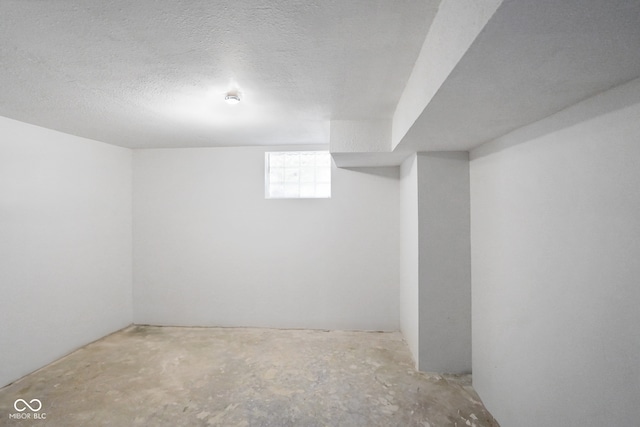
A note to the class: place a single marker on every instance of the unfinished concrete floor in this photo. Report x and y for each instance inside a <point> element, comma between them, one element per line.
<point>166,376</point>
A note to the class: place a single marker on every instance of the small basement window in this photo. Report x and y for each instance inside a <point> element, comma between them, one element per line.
<point>297,175</point>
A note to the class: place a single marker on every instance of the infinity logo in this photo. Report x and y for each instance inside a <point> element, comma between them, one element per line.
<point>26,405</point>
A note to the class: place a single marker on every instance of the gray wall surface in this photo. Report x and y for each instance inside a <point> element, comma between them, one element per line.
<point>435,270</point>
<point>444,262</point>
<point>65,244</point>
<point>209,249</point>
<point>409,257</point>
<point>555,234</point>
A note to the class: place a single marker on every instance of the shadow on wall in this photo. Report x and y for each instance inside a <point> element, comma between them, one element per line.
<point>391,172</point>
<point>618,98</point>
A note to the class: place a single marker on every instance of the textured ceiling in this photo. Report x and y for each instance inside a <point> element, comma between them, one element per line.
<point>154,73</point>
<point>531,60</point>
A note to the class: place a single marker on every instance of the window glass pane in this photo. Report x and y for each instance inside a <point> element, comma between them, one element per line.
<point>323,190</point>
<point>323,175</point>
<point>291,190</point>
<point>276,190</point>
<point>323,159</point>
<point>291,160</point>
<point>307,159</point>
<point>307,174</point>
<point>298,174</point>
<point>276,175</point>
<point>276,160</point>
<point>291,175</point>
<point>307,190</point>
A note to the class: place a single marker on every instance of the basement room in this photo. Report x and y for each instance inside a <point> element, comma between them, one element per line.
<point>290,213</point>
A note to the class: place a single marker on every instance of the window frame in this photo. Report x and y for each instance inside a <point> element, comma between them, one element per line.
<point>268,183</point>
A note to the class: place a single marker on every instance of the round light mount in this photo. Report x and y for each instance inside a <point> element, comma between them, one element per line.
<point>232,98</point>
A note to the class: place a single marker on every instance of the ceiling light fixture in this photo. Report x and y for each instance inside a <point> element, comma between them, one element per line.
<point>232,98</point>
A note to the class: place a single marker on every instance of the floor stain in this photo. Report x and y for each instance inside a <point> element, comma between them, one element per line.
<point>170,376</point>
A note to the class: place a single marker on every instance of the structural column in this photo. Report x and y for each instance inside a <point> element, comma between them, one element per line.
<point>444,262</point>
<point>436,265</point>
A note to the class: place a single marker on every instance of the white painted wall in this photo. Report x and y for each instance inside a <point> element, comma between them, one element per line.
<point>555,258</point>
<point>444,262</point>
<point>65,244</point>
<point>210,250</point>
<point>409,262</point>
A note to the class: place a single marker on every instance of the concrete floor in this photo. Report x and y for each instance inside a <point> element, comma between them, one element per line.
<point>165,376</point>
